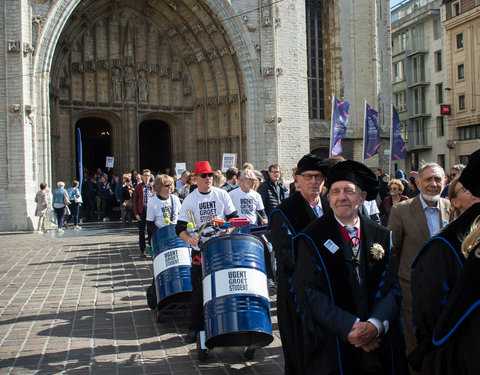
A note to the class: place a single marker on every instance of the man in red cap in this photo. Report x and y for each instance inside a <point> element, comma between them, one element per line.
<point>203,204</point>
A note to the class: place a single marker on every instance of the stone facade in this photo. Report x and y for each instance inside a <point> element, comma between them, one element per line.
<point>216,75</point>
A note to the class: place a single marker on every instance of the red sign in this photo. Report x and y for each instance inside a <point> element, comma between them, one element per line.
<point>445,109</point>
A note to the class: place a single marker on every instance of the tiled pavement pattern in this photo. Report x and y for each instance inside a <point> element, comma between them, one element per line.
<point>74,303</point>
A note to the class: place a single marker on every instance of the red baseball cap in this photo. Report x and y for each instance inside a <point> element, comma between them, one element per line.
<point>203,167</point>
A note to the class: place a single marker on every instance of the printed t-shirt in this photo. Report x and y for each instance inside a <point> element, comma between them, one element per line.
<point>159,209</point>
<point>247,204</point>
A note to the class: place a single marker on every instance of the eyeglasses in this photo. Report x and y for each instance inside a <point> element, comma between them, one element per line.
<point>169,185</point>
<point>461,189</point>
<point>308,177</point>
<point>205,175</point>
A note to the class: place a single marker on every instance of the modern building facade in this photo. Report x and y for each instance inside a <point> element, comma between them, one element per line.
<point>462,63</point>
<point>156,82</point>
<point>419,81</point>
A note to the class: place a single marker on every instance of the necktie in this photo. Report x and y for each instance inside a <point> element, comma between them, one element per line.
<point>318,211</point>
<point>355,245</point>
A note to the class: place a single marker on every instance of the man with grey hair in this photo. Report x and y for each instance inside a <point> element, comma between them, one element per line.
<point>412,223</point>
<point>247,201</point>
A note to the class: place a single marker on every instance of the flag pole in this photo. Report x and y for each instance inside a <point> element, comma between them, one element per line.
<point>364,129</point>
<point>331,126</point>
<point>391,144</point>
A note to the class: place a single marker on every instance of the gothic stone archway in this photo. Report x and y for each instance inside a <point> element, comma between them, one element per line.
<point>137,58</point>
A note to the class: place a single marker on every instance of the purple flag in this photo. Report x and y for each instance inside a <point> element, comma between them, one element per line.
<point>372,140</point>
<point>339,121</point>
<point>399,150</point>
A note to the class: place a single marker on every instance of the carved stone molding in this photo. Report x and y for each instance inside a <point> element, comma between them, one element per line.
<point>271,119</point>
<point>222,99</point>
<point>250,27</point>
<point>153,69</point>
<point>90,66</point>
<point>279,72</point>
<point>27,49</point>
<point>177,76</point>
<point>278,22</point>
<point>42,1</point>
<point>171,32</point>
<point>14,108</point>
<point>13,46</point>
<point>200,102</point>
<point>200,57</point>
<point>197,28</point>
<point>267,21</point>
<point>29,109</point>
<point>212,54</point>
<point>258,48</point>
<point>173,5</point>
<point>268,71</point>
<point>102,64</point>
<point>38,21</point>
<point>164,72</point>
<point>77,67</point>
<point>211,29</point>
<point>233,98</point>
<point>212,100</point>
<point>190,59</point>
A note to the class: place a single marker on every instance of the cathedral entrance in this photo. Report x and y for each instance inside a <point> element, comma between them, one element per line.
<point>155,146</point>
<point>96,142</point>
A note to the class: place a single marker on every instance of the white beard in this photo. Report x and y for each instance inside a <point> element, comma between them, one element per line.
<point>431,198</point>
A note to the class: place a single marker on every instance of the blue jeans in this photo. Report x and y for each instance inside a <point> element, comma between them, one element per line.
<point>74,211</point>
<point>60,212</point>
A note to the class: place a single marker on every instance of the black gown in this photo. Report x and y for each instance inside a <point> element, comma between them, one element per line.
<point>294,214</point>
<point>330,303</point>
<point>436,269</point>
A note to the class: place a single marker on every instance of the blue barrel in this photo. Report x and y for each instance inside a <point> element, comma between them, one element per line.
<point>235,293</point>
<point>171,267</point>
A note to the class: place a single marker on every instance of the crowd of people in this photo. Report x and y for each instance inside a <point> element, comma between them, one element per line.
<point>366,266</point>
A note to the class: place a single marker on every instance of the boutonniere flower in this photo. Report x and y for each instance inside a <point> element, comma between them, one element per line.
<point>377,251</point>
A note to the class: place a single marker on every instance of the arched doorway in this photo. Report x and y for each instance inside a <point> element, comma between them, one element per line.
<point>96,142</point>
<point>155,145</point>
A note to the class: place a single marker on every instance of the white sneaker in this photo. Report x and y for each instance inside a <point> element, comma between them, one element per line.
<point>77,227</point>
<point>104,219</point>
<point>60,230</point>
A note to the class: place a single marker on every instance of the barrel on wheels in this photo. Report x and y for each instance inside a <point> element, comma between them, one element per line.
<point>171,267</point>
<point>235,293</point>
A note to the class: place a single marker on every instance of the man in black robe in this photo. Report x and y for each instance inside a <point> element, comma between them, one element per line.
<point>436,271</point>
<point>294,214</point>
<point>346,284</point>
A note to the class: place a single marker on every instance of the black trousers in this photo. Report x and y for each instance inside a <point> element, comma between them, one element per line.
<point>142,225</point>
<point>196,307</point>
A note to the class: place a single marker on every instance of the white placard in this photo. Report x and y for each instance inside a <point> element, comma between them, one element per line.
<point>180,168</point>
<point>109,161</point>
<point>179,256</point>
<point>228,160</point>
<point>234,281</point>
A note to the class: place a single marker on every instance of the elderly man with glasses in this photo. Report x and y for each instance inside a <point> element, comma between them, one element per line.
<point>203,204</point>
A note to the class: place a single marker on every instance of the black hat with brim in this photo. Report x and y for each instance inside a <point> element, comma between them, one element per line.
<point>310,162</point>
<point>358,173</point>
<point>470,176</point>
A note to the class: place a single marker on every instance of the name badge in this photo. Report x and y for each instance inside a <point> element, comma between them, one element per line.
<point>330,245</point>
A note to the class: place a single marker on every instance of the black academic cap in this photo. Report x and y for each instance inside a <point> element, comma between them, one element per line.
<point>358,173</point>
<point>310,162</point>
<point>470,176</point>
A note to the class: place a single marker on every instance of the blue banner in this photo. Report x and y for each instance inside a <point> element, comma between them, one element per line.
<point>372,133</point>
<point>399,150</point>
<point>80,159</point>
<point>339,121</point>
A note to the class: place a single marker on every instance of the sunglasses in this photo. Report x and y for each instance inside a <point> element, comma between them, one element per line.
<point>205,175</point>
<point>169,185</point>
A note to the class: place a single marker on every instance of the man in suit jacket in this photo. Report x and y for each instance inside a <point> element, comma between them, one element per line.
<point>294,214</point>
<point>412,223</point>
<point>346,284</point>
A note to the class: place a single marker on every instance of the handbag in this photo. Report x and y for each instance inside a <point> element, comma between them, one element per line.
<point>78,199</point>
<point>66,201</point>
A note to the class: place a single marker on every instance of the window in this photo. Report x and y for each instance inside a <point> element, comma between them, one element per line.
<point>400,101</point>
<point>315,60</point>
<point>438,61</point>
<point>461,71</point>
<point>439,93</point>
<point>440,127</point>
<point>399,71</point>
<point>461,102</point>
<point>469,132</point>
<point>420,129</point>
<point>459,40</point>
<point>418,69</point>
<point>404,41</point>
<point>437,29</point>
<point>419,102</point>
<point>456,9</point>
<point>441,160</point>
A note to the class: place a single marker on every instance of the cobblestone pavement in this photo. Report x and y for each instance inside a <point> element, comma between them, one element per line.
<point>75,303</point>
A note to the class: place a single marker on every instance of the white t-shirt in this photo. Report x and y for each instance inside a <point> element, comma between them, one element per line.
<point>247,204</point>
<point>159,209</point>
<point>217,202</point>
<point>371,207</point>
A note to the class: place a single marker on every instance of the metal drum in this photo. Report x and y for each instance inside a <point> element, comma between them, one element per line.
<point>235,293</point>
<point>171,266</point>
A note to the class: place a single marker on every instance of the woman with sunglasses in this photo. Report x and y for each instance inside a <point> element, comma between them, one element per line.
<point>163,208</point>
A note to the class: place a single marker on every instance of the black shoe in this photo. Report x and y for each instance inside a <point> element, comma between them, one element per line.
<point>191,337</point>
